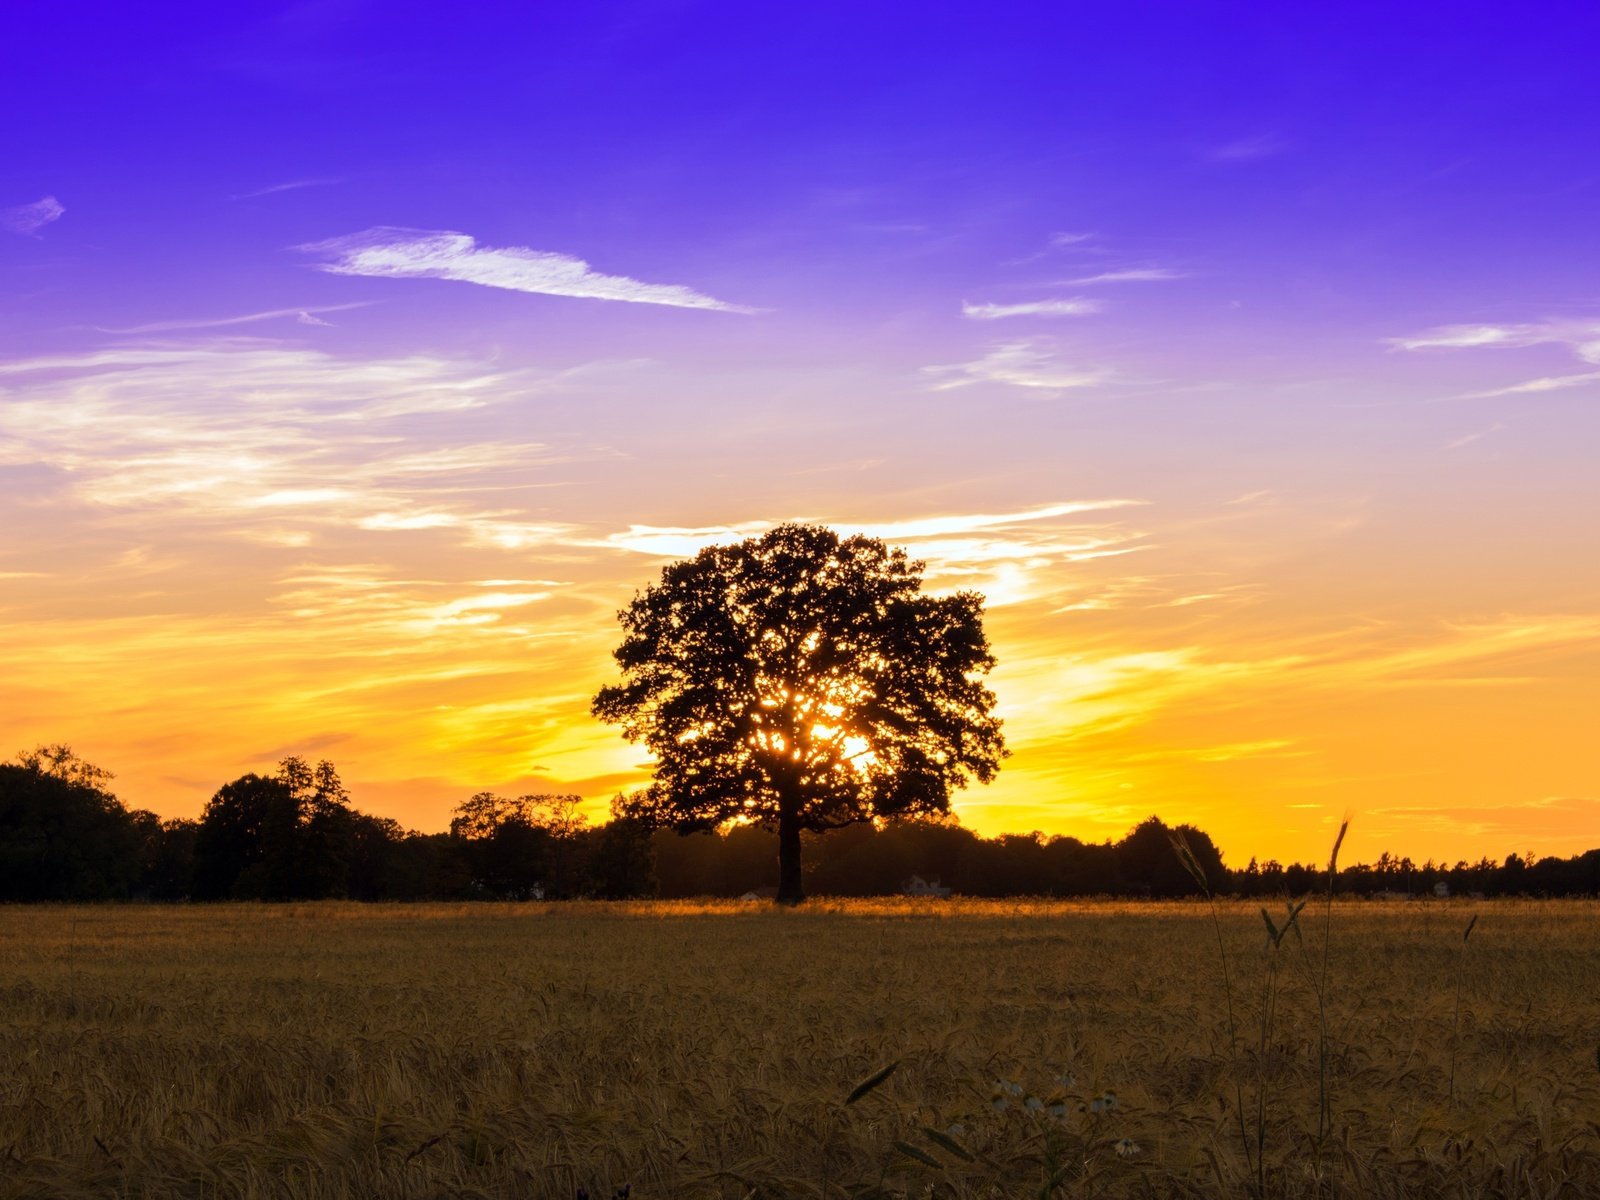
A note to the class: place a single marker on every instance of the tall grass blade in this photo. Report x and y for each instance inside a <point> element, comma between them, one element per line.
<point>870,1082</point>
<point>922,1156</point>
<point>947,1143</point>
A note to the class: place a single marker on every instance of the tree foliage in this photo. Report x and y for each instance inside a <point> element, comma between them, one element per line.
<point>288,836</point>
<point>802,681</point>
<point>63,836</point>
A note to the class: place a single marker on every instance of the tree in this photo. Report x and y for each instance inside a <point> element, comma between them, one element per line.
<point>1149,867</point>
<point>63,835</point>
<point>804,682</point>
<point>284,837</point>
<point>520,848</point>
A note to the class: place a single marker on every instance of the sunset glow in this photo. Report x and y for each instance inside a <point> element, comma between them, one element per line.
<point>356,368</point>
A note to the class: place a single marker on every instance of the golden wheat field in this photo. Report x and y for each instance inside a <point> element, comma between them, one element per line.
<point>709,1050</point>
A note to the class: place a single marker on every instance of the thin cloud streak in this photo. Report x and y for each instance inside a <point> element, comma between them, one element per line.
<point>292,185</point>
<point>1468,439</point>
<point>1582,337</point>
<point>28,219</point>
<point>1534,386</point>
<point>1028,363</point>
<point>304,316</point>
<point>680,541</point>
<point>391,253</point>
<point>1246,149</point>
<point>1128,275</point>
<point>1033,308</point>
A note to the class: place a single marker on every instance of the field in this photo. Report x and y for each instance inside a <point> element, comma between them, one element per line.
<point>709,1050</point>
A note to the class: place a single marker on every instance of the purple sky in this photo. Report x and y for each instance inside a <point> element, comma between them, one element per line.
<point>312,301</point>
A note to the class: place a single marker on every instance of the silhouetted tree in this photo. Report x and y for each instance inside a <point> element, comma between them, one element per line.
<point>620,860</point>
<point>166,855</point>
<point>521,847</point>
<point>802,682</point>
<point>248,823</point>
<point>1150,868</point>
<point>63,835</point>
<point>284,837</point>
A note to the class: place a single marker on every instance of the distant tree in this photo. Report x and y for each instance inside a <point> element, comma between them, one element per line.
<point>803,682</point>
<point>59,762</point>
<point>166,855</point>
<point>288,836</point>
<point>63,835</point>
<point>521,847</point>
<point>621,863</point>
<point>1149,866</point>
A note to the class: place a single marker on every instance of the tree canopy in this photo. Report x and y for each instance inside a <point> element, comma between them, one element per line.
<point>803,681</point>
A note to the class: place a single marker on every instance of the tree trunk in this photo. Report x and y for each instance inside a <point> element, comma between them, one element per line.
<point>790,889</point>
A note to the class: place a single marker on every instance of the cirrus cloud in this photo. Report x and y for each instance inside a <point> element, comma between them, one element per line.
<point>28,219</point>
<point>391,253</point>
<point>1582,337</point>
<point>1031,308</point>
<point>1028,363</point>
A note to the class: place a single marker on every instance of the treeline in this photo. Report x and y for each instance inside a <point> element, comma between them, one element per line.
<point>294,835</point>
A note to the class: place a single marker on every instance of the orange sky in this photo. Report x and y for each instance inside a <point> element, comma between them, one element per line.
<point>357,366</point>
<point>329,557</point>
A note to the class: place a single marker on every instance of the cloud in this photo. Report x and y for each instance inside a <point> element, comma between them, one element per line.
<point>279,445</point>
<point>1582,337</point>
<point>1533,386</point>
<point>390,253</point>
<point>1060,241</point>
<point>1468,439</point>
<point>1032,308</point>
<point>1029,363</point>
<point>677,541</point>
<point>940,526</point>
<point>1001,555</point>
<point>1127,275</point>
<point>293,185</point>
<point>304,316</point>
<point>1553,817</point>
<point>1246,149</point>
<point>28,219</point>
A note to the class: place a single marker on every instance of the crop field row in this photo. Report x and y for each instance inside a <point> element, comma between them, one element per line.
<point>709,1050</point>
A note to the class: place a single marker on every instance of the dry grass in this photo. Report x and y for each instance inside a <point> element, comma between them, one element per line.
<point>707,1050</point>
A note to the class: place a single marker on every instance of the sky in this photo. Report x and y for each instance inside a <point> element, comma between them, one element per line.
<point>359,361</point>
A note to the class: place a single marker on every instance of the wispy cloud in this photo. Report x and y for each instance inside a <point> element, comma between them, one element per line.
<point>1544,817</point>
<point>1031,308</point>
<point>1063,242</point>
<point>1246,149</point>
<point>1582,337</point>
<point>1003,555</point>
<point>28,219</point>
<point>1546,383</point>
<point>1127,275</point>
<point>278,444</point>
<point>391,253</point>
<point>1028,363</point>
<point>1468,439</point>
<point>304,316</point>
<point>944,525</point>
<point>292,185</point>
